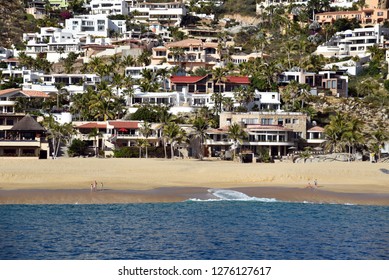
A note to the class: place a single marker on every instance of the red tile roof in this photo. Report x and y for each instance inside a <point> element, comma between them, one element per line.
<point>186,79</point>
<point>238,80</point>
<point>35,93</point>
<point>124,124</point>
<point>9,90</point>
<point>184,43</point>
<point>93,125</point>
<point>316,129</point>
<point>12,59</point>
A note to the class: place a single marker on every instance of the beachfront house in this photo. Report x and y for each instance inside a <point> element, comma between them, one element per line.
<point>9,98</point>
<point>115,134</point>
<point>273,133</point>
<point>22,136</point>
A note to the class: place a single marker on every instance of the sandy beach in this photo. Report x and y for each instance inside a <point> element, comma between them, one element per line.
<point>67,180</point>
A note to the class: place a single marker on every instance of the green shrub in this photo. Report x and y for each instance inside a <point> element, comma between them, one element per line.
<point>78,148</point>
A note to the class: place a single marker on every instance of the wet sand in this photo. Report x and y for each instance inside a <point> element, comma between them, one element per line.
<point>164,195</point>
<point>32,181</point>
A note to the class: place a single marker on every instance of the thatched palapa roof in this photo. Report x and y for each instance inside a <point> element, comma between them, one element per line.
<point>27,123</point>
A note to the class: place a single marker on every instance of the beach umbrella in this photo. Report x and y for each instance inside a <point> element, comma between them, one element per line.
<point>292,148</point>
<point>318,149</point>
<point>122,130</point>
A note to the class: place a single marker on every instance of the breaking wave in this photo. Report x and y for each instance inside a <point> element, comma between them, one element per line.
<point>230,195</point>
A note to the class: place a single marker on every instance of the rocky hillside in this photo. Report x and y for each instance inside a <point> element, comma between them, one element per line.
<point>13,22</point>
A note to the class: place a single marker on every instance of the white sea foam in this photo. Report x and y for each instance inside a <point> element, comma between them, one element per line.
<point>230,195</point>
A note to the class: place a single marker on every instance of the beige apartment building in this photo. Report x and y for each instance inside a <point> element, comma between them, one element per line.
<point>377,4</point>
<point>365,17</point>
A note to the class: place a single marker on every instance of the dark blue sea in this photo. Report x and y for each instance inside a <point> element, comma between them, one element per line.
<point>200,230</point>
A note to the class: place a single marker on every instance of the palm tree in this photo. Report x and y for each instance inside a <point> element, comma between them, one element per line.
<point>353,135</point>
<point>115,62</point>
<point>219,75</point>
<point>200,125</point>
<point>148,82</point>
<point>378,139</point>
<point>164,74</point>
<point>95,134</point>
<point>289,94</point>
<point>144,58</point>
<point>174,134</point>
<point>100,103</point>
<point>141,143</point>
<point>61,90</point>
<point>236,134</point>
<point>58,133</point>
<point>146,131</point>
<point>164,117</point>
<point>117,81</point>
<point>95,63</point>
<point>228,104</point>
<point>128,91</point>
<point>128,61</point>
<point>343,131</point>
<point>289,47</point>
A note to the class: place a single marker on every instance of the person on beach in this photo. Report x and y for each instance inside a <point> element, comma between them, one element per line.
<point>91,187</point>
<point>315,183</point>
<point>309,186</point>
<point>101,185</point>
<point>95,186</point>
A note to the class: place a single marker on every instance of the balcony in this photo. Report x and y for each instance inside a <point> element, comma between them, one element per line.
<point>20,143</point>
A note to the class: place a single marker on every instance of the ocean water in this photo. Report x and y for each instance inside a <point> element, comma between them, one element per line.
<point>232,226</point>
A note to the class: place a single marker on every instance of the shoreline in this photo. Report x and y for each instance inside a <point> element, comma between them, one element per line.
<point>177,194</point>
<point>32,181</point>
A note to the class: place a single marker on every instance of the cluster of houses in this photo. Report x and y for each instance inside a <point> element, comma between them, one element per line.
<point>92,35</point>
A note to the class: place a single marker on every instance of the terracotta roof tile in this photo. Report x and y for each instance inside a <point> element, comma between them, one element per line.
<point>186,79</point>
<point>93,125</point>
<point>9,90</point>
<point>184,43</point>
<point>124,124</point>
<point>35,93</point>
<point>316,129</point>
<point>238,80</point>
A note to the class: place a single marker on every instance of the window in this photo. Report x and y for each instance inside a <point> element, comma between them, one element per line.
<point>273,96</point>
<point>10,122</point>
<point>266,121</point>
<point>340,84</point>
<point>280,121</point>
<point>287,121</point>
<point>295,121</point>
<point>297,135</point>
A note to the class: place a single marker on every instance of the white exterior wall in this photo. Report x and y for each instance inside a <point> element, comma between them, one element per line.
<point>55,42</point>
<point>355,42</point>
<point>159,11</point>
<point>94,25</point>
<point>109,7</point>
<point>5,53</point>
